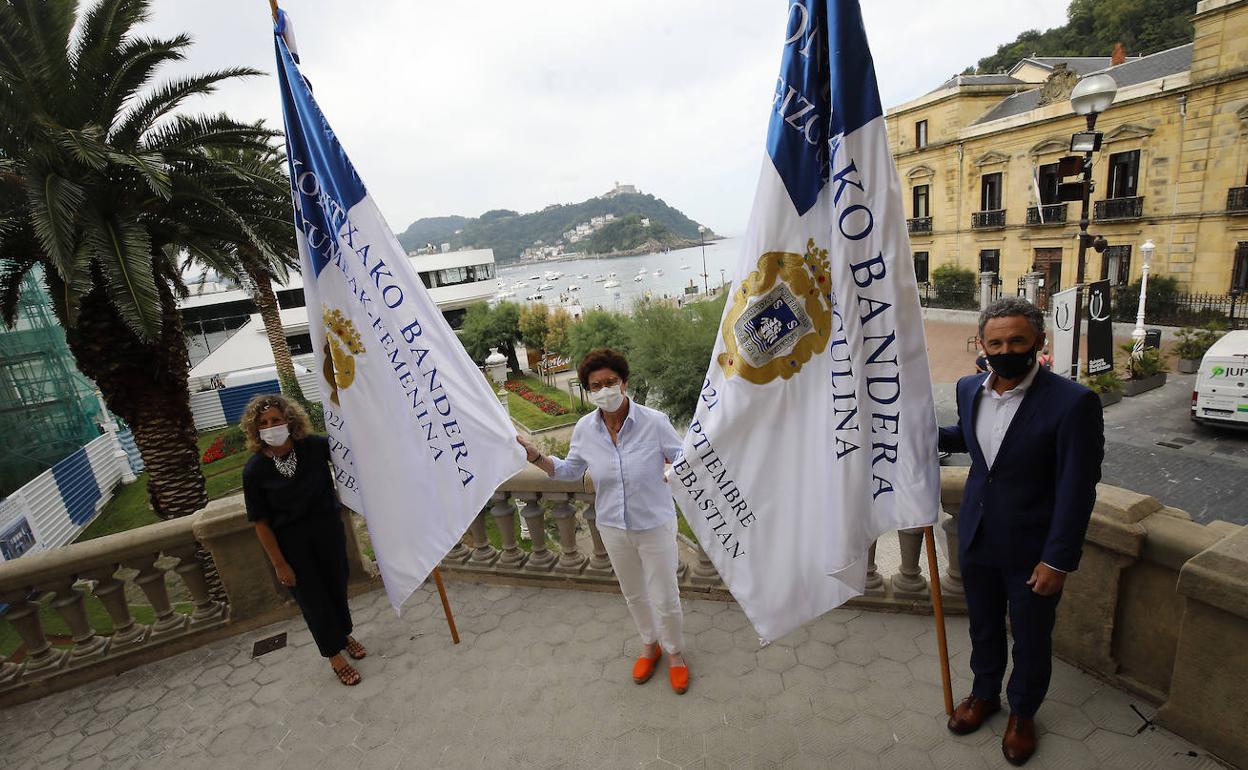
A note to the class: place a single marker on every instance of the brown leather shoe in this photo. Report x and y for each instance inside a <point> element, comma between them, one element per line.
<point>971,713</point>
<point>1019,741</point>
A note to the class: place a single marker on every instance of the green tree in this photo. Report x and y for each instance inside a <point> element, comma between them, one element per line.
<point>669,353</point>
<point>488,327</point>
<point>597,329</point>
<point>534,323</point>
<point>106,184</point>
<point>557,332</point>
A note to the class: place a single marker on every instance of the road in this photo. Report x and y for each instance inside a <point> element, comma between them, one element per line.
<point>1151,446</point>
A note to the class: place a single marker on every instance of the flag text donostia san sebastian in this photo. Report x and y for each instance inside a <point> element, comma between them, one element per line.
<point>879,419</point>
<point>414,366</point>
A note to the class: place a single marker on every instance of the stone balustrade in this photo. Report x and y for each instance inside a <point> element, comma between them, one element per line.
<point>1159,604</point>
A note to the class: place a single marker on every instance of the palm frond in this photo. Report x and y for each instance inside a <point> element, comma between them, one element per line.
<point>102,33</point>
<point>143,116</point>
<point>54,203</point>
<point>187,132</point>
<point>151,167</point>
<point>122,251</point>
<point>85,145</point>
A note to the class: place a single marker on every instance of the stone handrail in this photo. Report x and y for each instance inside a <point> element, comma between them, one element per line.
<point>1159,604</point>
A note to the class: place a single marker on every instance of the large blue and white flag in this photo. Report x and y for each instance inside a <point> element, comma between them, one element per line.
<point>816,431</point>
<point>420,441</point>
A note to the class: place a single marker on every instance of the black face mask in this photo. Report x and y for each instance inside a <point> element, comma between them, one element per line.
<point>1011,366</point>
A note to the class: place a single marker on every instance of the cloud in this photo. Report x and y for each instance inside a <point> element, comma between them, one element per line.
<point>457,108</point>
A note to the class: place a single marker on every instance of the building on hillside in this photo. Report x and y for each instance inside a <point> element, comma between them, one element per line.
<point>620,189</point>
<point>978,160</point>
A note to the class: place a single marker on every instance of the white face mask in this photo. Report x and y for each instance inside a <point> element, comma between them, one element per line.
<point>608,399</point>
<point>275,436</point>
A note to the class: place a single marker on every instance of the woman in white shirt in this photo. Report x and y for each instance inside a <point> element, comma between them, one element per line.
<point>625,447</point>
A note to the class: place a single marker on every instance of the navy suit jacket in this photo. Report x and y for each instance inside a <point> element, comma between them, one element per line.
<point>1034,504</point>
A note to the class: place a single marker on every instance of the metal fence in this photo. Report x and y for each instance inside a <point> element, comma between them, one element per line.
<point>952,297</point>
<point>1230,310</point>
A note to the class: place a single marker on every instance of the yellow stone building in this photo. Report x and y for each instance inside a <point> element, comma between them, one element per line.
<point>977,158</point>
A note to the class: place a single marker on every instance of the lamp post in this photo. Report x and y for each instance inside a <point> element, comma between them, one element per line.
<point>1137,334</point>
<point>1090,97</point>
<point>702,241</point>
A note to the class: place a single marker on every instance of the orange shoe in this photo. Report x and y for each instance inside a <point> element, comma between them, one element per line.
<point>643,669</point>
<point>679,677</point>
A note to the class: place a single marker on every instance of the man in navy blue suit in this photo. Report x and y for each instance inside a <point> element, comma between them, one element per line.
<point>1036,442</point>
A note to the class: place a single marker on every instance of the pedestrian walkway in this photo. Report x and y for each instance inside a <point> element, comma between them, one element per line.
<point>541,680</point>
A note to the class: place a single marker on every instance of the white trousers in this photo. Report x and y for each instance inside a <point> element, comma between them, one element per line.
<point>645,563</point>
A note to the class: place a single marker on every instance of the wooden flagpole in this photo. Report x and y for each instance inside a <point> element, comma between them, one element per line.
<point>938,609</point>
<point>437,576</point>
<point>446,605</point>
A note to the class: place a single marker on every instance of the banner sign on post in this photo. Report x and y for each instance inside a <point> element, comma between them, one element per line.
<point>1100,329</point>
<point>1062,335</point>
<point>815,432</point>
<point>420,442</point>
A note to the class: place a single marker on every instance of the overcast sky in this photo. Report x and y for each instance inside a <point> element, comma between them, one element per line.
<point>450,107</point>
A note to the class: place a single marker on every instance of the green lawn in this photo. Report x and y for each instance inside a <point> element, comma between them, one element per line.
<point>129,508</point>
<point>53,625</point>
<point>535,419</point>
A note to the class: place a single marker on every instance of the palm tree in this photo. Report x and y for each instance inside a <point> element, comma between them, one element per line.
<point>106,185</point>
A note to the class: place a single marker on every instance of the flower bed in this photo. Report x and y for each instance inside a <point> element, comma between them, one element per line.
<point>547,405</point>
<point>228,443</point>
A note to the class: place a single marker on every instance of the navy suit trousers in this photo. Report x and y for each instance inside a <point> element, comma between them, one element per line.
<point>991,594</point>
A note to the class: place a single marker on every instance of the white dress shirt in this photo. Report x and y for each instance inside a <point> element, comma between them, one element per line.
<point>995,412</point>
<point>629,486</point>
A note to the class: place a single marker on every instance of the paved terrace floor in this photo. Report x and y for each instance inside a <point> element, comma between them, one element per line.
<point>542,679</point>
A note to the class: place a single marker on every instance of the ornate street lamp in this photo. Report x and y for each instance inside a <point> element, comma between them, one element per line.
<point>1090,97</point>
<point>1137,334</point>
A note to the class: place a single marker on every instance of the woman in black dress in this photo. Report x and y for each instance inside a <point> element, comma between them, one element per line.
<point>290,498</point>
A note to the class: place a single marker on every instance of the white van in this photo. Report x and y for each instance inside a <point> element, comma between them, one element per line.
<point>1221,394</point>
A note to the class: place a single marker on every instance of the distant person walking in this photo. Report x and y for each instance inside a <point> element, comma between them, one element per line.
<point>290,498</point>
<point>625,447</point>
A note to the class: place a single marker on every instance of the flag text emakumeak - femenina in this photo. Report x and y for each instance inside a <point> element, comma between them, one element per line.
<point>815,432</point>
<point>420,441</point>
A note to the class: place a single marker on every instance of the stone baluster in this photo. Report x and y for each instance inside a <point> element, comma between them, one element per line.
<point>459,554</point>
<point>69,604</point>
<point>112,594</point>
<point>951,581</point>
<point>571,560</point>
<point>23,613</point>
<point>704,572</point>
<point>504,513</point>
<point>599,562</point>
<point>483,554</point>
<point>541,558</point>
<point>875,583</point>
<point>909,582</point>
<point>191,570</point>
<point>151,580</point>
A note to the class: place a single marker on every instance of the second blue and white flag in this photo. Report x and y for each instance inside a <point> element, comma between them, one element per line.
<point>816,431</point>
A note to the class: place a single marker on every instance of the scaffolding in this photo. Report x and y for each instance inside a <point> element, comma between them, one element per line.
<point>48,409</point>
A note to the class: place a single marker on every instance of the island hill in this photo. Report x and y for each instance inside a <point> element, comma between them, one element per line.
<point>618,223</point>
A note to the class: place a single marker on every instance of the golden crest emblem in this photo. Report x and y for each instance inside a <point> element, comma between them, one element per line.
<point>342,345</point>
<point>780,316</point>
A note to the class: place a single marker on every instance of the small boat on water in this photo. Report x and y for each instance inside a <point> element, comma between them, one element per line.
<point>546,287</point>
<point>535,278</point>
<point>599,279</point>
<point>642,271</point>
<point>610,284</point>
<point>639,278</point>
<point>584,276</point>
<point>610,275</point>
<point>533,298</point>
<point>684,267</point>
<point>574,287</point>
<point>658,271</point>
<point>504,294</point>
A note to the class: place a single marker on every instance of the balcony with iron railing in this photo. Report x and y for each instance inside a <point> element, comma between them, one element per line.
<point>1237,200</point>
<point>1048,214</point>
<point>987,220</point>
<point>919,225</point>
<point>541,675</point>
<point>1112,209</point>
